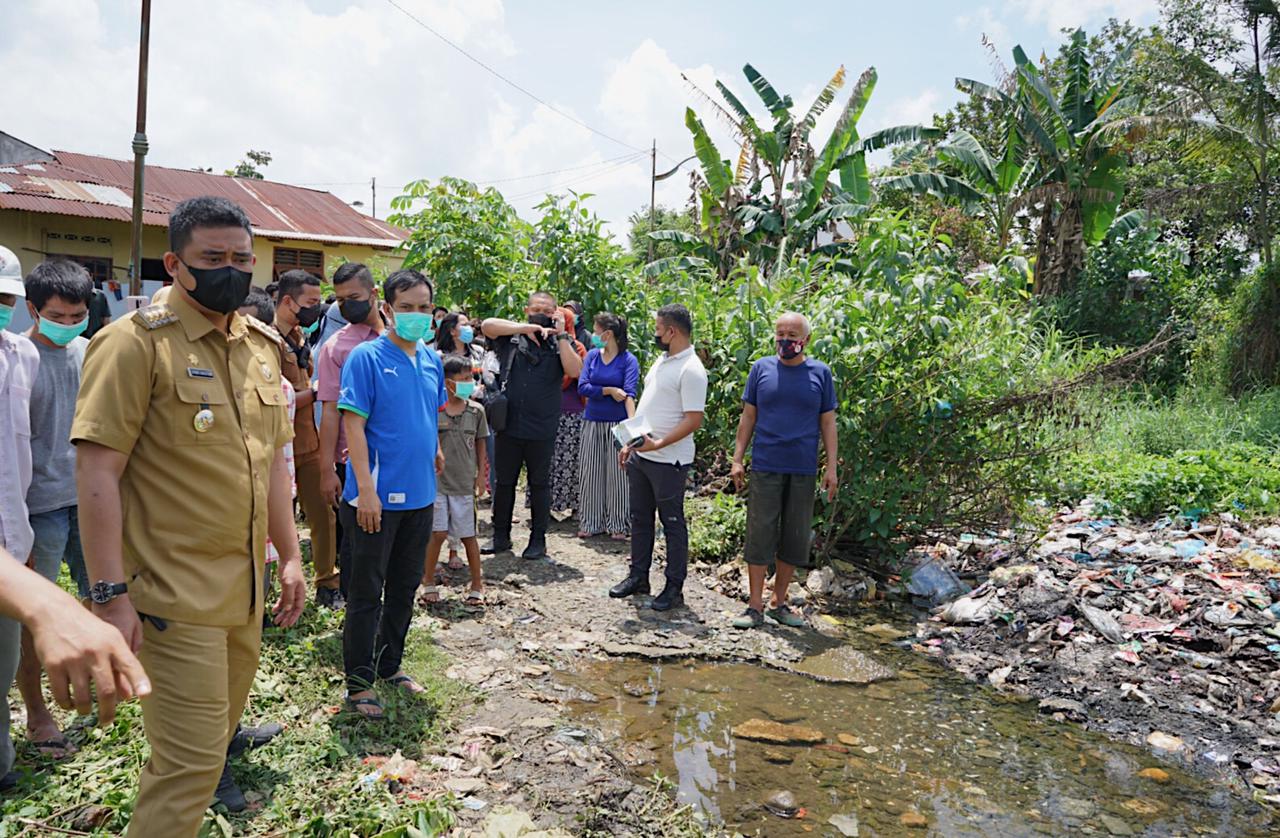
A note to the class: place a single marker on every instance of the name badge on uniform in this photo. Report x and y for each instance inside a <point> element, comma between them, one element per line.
<point>197,372</point>
<point>395,497</point>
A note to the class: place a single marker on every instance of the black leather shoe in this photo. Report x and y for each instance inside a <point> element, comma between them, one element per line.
<point>9,781</point>
<point>669,598</point>
<point>330,598</point>
<point>248,738</point>
<point>630,585</point>
<point>535,550</point>
<point>228,793</point>
<point>498,545</point>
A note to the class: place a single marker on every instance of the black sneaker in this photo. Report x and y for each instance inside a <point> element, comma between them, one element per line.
<point>498,545</point>
<point>248,738</point>
<point>536,550</point>
<point>228,793</point>
<point>630,585</point>
<point>330,598</point>
<point>671,597</point>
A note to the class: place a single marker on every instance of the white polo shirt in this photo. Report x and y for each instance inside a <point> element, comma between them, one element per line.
<point>675,384</point>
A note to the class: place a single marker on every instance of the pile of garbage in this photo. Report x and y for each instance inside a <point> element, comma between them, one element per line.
<point>1167,633</point>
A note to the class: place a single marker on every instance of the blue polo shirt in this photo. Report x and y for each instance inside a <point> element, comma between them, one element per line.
<point>788,402</point>
<point>400,399</point>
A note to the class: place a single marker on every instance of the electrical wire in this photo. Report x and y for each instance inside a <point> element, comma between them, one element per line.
<point>624,157</point>
<point>508,81</point>
<point>572,182</point>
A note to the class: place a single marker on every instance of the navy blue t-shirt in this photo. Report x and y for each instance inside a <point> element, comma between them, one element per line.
<point>788,402</point>
<point>400,399</point>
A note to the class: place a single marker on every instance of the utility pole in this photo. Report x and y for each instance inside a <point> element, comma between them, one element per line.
<point>373,184</point>
<point>653,191</point>
<point>139,161</point>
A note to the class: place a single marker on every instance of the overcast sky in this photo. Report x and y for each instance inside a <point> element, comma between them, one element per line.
<point>340,91</point>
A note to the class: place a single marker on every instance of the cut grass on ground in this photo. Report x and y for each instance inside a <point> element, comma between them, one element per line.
<point>305,783</point>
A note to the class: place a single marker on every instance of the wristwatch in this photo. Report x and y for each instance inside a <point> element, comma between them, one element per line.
<point>563,336</point>
<point>103,592</point>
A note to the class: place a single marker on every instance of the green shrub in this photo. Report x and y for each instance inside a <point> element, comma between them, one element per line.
<point>1240,478</point>
<point>1197,417</point>
<point>717,527</point>
<point>1251,349</point>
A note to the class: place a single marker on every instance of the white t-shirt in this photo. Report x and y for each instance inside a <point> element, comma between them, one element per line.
<point>675,384</point>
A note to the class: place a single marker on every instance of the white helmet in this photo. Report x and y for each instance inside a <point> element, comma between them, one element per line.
<point>10,273</point>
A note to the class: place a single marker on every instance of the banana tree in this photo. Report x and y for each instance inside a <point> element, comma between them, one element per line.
<point>783,188</point>
<point>993,185</point>
<point>1078,160</point>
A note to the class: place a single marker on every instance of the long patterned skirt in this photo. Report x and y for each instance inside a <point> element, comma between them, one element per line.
<point>564,464</point>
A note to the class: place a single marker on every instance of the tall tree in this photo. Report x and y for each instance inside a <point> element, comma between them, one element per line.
<point>251,166</point>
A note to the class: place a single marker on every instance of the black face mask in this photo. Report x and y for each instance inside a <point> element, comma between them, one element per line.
<point>540,320</point>
<point>220,289</point>
<point>308,315</point>
<point>355,311</point>
<point>660,343</point>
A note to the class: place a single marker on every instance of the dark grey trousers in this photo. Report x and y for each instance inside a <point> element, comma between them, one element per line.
<point>10,647</point>
<point>658,487</point>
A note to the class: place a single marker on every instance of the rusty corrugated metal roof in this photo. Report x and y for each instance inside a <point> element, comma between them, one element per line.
<point>99,187</point>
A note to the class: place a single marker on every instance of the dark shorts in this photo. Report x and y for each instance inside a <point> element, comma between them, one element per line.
<point>780,518</point>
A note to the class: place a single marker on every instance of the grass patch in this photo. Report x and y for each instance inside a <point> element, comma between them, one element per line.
<point>306,781</point>
<point>1197,450</point>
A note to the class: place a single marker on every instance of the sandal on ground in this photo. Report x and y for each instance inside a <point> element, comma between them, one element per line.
<point>749,619</point>
<point>620,536</point>
<point>455,562</point>
<point>55,747</point>
<point>369,709</point>
<point>784,615</point>
<point>406,683</point>
<point>475,599</point>
<point>429,591</point>
<point>585,534</point>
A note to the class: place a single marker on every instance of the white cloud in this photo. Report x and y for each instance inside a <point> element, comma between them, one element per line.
<point>915,110</point>
<point>1058,15</point>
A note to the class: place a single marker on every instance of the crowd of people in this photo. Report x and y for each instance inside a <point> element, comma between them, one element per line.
<point>166,461</point>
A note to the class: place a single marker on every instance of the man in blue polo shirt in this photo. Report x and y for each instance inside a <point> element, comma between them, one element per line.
<point>790,401</point>
<point>392,390</point>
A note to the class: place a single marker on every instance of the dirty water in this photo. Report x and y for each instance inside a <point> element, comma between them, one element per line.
<point>921,753</point>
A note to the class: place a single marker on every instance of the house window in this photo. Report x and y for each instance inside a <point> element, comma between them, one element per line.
<point>99,267</point>
<point>288,259</point>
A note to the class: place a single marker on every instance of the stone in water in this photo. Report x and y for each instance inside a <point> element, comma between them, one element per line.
<point>762,730</point>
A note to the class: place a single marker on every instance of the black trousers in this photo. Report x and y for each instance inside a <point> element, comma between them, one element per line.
<point>658,487</point>
<point>386,568</point>
<point>534,455</point>
<point>339,533</point>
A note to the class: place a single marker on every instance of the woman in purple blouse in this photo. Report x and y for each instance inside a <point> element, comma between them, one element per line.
<point>610,375</point>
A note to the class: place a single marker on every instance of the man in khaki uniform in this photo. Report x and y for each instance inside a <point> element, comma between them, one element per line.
<point>297,317</point>
<point>180,473</point>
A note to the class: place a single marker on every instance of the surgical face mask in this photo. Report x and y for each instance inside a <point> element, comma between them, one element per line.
<point>464,389</point>
<point>311,330</point>
<point>466,334</point>
<point>413,325</point>
<point>61,334</point>
<point>355,311</point>
<point>540,319</point>
<point>660,343</point>
<point>308,315</point>
<point>6,315</point>
<point>788,348</point>
<point>597,341</point>
<point>220,289</point>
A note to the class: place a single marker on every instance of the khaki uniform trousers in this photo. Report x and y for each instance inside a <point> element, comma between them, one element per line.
<point>200,680</point>
<point>320,517</point>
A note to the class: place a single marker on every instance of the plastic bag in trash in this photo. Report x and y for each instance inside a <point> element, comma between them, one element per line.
<point>935,582</point>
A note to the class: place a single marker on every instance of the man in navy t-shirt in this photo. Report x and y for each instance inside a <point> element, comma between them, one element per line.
<point>392,390</point>
<point>789,404</point>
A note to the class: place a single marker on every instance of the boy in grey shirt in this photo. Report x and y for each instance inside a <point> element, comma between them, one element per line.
<point>58,296</point>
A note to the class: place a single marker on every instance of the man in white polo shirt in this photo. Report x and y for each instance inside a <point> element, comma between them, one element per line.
<point>672,402</point>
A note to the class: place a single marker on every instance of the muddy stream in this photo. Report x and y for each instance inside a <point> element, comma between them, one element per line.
<point>920,751</point>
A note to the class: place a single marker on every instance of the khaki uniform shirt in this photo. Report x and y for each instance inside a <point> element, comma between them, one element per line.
<point>201,416</point>
<point>306,441</point>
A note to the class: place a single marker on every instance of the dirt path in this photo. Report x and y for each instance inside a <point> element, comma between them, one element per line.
<point>520,748</point>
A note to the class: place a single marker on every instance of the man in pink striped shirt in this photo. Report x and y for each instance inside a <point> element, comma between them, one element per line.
<point>357,299</point>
